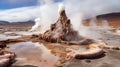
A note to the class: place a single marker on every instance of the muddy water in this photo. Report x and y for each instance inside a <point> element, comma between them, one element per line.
<point>34,54</point>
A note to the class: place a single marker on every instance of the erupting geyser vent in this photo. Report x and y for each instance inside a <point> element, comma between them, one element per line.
<point>61,30</point>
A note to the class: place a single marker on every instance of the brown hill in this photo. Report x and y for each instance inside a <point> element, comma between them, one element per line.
<point>112,18</point>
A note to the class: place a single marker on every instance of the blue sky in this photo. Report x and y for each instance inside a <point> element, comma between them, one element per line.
<point>10,4</point>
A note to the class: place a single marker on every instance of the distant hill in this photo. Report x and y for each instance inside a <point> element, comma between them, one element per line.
<point>10,23</point>
<point>3,22</point>
<point>112,18</point>
<point>109,16</point>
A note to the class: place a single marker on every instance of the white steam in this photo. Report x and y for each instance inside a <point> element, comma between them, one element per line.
<point>77,12</point>
<point>105,24</point>
<point>47,18</point>
<point>61,8</point>
<point>37,25</point>
<point>48,15</point>
<point>93,22</point>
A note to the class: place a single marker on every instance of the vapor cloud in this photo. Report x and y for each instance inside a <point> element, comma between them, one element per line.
<point>47,9</point>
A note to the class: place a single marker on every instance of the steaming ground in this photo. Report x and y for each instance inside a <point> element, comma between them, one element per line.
<point>109,35</point>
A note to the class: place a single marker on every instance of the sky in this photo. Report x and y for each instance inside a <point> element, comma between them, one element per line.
<point>24,10</point>
<point>21,10</point>
<point>9,4</point>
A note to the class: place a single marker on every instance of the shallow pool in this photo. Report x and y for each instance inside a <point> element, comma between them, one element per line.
<point>35,54</point>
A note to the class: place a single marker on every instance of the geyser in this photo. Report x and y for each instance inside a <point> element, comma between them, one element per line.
<point>61,30</point>
<point>48,14</point>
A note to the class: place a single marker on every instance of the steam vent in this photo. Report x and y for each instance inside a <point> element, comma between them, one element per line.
<point>62,30</point>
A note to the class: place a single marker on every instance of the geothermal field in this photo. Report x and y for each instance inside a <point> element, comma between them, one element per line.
<point>62,38</point>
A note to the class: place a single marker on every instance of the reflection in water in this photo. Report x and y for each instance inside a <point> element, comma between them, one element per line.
<point>36,54</point>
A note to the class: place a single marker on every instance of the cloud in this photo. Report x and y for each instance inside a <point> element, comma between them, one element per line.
<point>48,10</point>
<point>91,8</point>
<point>20,14</point>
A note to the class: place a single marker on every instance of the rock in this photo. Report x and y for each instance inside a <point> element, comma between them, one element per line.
<point>61,30</point>
<point>2,44</point>
<point>7,59</point>
<point>4,62</point>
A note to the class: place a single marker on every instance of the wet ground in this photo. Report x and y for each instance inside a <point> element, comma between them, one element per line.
<point>44,54</point>
<point>110,59</point>
<point>34,54</point>
<point>110,36</point>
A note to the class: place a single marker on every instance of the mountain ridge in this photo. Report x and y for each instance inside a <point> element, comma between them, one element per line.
<point>12,23</point>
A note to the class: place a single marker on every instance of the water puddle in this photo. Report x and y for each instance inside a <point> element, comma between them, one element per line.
<point>5,37</point>
<point>14,35</point>
<point>29,53</point>
<point>9,35</point>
